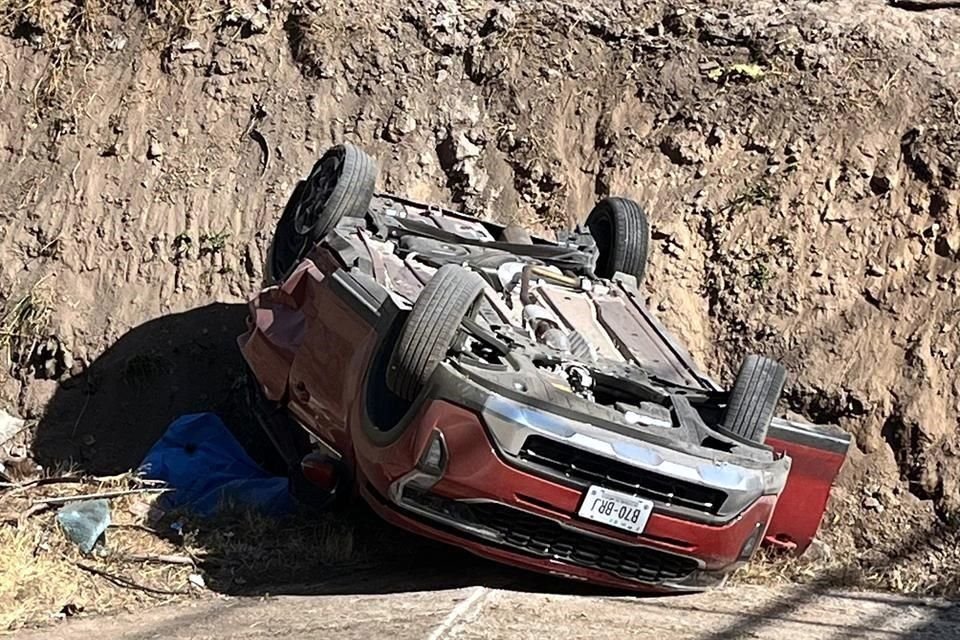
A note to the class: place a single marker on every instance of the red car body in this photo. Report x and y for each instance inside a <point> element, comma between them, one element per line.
<point>316,345</point>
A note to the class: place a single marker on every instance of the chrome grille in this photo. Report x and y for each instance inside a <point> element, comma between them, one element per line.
<point>587,468</point>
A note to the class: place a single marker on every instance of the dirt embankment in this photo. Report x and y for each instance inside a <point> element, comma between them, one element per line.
<point>799,162</point>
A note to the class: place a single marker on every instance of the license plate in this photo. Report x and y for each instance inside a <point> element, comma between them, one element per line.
<point>620,510</point>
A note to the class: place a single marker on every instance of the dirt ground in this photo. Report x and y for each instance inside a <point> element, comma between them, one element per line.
<point>800,163</point>
<point>479,612</point>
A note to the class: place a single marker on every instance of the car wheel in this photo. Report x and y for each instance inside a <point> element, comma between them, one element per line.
<point>340,184</point>
<point>754,397</point>
<point>431,327</point>
<point>622,233</point>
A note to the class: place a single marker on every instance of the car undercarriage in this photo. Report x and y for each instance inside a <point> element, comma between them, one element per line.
<point>513,394</point>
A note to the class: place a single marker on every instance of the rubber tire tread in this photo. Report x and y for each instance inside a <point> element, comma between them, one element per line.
<point>431,327</point>
<point>630,242</point>
<point>754,397</point>
<point>353,193</point>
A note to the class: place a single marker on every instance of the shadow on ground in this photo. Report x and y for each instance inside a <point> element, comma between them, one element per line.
<point>104,420</point>
<point>943,623</point>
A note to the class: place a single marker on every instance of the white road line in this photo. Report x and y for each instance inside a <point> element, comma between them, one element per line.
<point>457,612</point>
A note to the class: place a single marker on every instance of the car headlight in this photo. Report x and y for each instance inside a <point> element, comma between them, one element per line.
<point>511,422</point>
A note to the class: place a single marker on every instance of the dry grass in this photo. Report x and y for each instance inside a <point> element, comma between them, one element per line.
<point>144,561</point>
<point>860,549</point>
<point>73,33</point>
<point>66,31</point>
<point>24,323</point>
<point>242,549</point>
<point>772,567</point>
<point>181,18</point>
<point>40,570</point>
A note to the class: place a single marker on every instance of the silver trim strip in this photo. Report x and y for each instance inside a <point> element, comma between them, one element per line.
<point>314,438</point>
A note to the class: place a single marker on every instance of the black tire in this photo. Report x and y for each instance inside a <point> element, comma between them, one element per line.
<point>431,327</point>
<point>754,397</point>
<point>622,233</point>
<point>341,184</point>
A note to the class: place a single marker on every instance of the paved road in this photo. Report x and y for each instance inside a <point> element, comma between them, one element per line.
<point>475,613</point>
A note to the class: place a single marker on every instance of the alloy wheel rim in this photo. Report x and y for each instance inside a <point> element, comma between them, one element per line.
<point>317,190</point>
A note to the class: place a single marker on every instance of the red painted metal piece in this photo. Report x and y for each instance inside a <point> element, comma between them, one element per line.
<point>802,503</point>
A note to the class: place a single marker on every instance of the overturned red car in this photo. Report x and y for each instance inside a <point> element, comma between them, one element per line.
<point>513,396</point>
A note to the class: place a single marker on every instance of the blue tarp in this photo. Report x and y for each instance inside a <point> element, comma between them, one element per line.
<point>207,467</point>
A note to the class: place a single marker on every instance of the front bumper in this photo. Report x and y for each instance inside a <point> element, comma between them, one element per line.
<point>436,530</point>
<point>513,516</point>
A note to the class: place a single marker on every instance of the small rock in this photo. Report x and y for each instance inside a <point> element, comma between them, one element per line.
<point>399,126</point>
<point>406,124</point>
<point>507,141</point>
<point>118,43</point>
<point>683,148</point>
<point>673,250</point>
<point>678,22</point>
<point>875,293</point>
<point>155,150</point>
<point>189,45</point>
<point>223,63</point>
<point>717,136</point>
<point>465,149</point>
<point>499,19</point>
<point>9,426</point>
<point>948,245</point>
<point>794,148</point>
<point>872,503</point>
<point>197,580</point>
<point>258,23</point>
<point>875,270</point>
<point>139,508</point>
<point>66,358</point>
<point>37,396</point>
<point>818,551</point>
